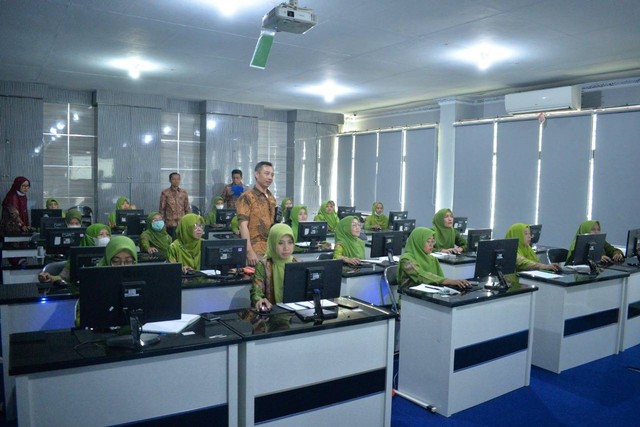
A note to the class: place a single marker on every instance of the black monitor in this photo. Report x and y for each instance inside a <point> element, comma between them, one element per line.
<point>38,214</point>
<point>130,295</point>
<point>122,214</point>
<point>495,259</point>
<point>535,229</point>
<point>60,240</point>
<point>404,225</point>
<point>223,254</point>
<point>224,216</point>
<point>475,235</point>
<point>460,224</point>
<point>136,224</point>
<point>314,232</point>
<point>396,215</point>
<point>346,211</point>
<point>588,250</point>
<point>49,223</point>
<point>83,256</point>
<point>287,215</point>
<point>633,244</point>
<point>386,243</point>
<point>312,280</point>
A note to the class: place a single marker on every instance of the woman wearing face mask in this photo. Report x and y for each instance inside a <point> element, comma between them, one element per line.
<point>73,218</point>
<point>217,203</point>
<point>155,238</point>
<point>186,248</point>
<point>377,221</point>
<point>286,206</point>
<point>349,246</point>
<point>448,239</point>
<point>121,203</point>
<point>15,215</point>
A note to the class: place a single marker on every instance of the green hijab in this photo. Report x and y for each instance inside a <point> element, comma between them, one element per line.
<point>283,206</point>
<point>121,201</point>
<point>49,200</point>
<point>331,219</point>
<point>294,219</point>
<point>414,251</point>
<point>158,239</point>
<point>585,228</point>
<point>277,232</point>
<point>380,220</point>
<point>211,217</point>
<point>445,236</point>
<point>73,213</point>
<point>516,231</point>
<point>353,245</point>
<point>116,245</point>
<point>188,247</point>
<point>92,233</point>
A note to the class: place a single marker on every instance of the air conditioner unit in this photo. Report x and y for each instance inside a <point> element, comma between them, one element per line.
<point>559,98</point>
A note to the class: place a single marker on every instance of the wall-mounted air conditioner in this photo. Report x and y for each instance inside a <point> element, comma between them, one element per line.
<point>559,98</point>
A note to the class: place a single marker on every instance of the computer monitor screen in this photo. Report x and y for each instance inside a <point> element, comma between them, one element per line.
<point>224,216</point>
<point>396,215</point>
<point>386,243</point>
<point>346,211</point>
<point>496,258</point>
<point>136,224</point>
<point>313,232</point>
<point>460,224</point>
<point>130,295</point>
<point>48,223</point>
<point>60,240</point>
<point>83,256</point>
<point>301,278</point>
<point>476,235</point>
<point>38,214</point>
<point>121,215</point>
<point>404,225</point>
<point>287,215</point>
<point>588,248</point>
<point>633,243</point>
<point>535,229</point>
<point>223,254</point>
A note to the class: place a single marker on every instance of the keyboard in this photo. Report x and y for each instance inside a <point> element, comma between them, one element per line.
<point>145,257</point>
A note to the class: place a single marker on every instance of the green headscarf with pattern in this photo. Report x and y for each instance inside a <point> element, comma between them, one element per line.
<point>277,232</point>
<point>158,239</point>
<point>92,233</point>
<point>186,247</point>
<point>330,219</point>
<point>211,217</point>
<point>445,236</point>
<point>516,231</point>
<point>116,245</point>
<point>414,251</point>
<point>294,219</point>
<point>374,219</point>
<point>353,245</point>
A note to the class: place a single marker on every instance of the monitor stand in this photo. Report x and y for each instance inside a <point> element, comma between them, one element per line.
<point>502,285</point>
<point>137,340</point>
<point>317,313</point>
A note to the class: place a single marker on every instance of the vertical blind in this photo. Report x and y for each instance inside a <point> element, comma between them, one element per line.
<point>420,170</point>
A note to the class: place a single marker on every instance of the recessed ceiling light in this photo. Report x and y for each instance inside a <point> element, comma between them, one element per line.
<point>134,66</point>
<point>329,90</point>
<point>483,55</point>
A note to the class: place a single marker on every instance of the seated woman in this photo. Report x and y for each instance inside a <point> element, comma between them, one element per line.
<point>377,221</point>
<point>52,203</point>
<point>285,207</point>
<point>448,239</point>
<point>349,247</point>
<point>527,258</point>
<point>328,214</point>
<point>121,203</point>
<point>611,254</point>
<point>298,214</point>
<point>186,248</point>
<point>417,265</point>
<point>73,218</point>
<point>155,238</point>
<point>216,203</point>
<point>268,281</point>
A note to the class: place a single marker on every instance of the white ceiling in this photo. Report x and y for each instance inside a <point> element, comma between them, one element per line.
<point>388,52</point>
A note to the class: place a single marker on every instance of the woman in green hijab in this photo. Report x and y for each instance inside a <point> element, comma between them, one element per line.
<point>121,203</point>
<point>155,238</point>
<point>52,203</point>
<point>527,258</point>
<point>417,265</point>
<point>448,239</point>
<point>286,204</point>
<point>186,248</point>
<point>121,250</point>
<point>611,254</point>
<point>328,214</point>
<point>349,247</point>
<point>216,203</point>
<point>298,213</point>
<point>73,218</point>
<point>377,221</point>
<point>268,280</point>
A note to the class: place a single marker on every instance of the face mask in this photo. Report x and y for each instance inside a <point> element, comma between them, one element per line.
<point>20,193</point>
<point>219,206</point>
<point>102,241</point>
<point>74,226</point>
<point>377,214</point>
<point>157,225</point>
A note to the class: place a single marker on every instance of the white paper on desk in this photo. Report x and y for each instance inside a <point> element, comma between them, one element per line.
<point>432,289</point>
<point>303,244</point>
<point>540,274</point>
<point>324,302</point>
<point>171,326</point>
<point>291,306</point>
<point>440,255</point>
<point>381,260</point>
<point>211,272</point>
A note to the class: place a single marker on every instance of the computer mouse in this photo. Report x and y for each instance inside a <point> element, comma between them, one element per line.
<point>264,309</point>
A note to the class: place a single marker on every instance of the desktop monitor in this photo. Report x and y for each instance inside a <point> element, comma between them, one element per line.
<point>346,211</point>
<point>130,295</point>
<point>535,229</point>
<point>312,280</point>
<point>38,214</point>
<point>122,214</point>
<point>396,215</point>
<point>224,216</point>
<point>404,225</point>
<point>495,259</point>
<point>460,224</point>
<point>223,254</point>
<point>136,224</point>
<point>386,243</point>
<point>476,235</point>
<point>313,232</point>
<point>60,240</point>
<point>83,256</point>
<point>588,249</point>
<point>287,215</point>
<point>633,244</point>
<point>48,223</point>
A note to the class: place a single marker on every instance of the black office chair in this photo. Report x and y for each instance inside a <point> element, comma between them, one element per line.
<point>54,268</point>
<point>195,210</point>
<point>557,254</point>
<point>87,214</point>
<point>391,279</point>
<point>325,256</point>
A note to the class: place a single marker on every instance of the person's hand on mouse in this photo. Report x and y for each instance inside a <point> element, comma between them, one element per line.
<point>263,304</point>
<point>458,283</point>
<point>617,257</point>
<point>186,269</point>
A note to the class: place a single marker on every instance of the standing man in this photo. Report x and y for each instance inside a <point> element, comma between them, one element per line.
<point>174,204</point>
<point>233,191</point>
<point>256,210</point>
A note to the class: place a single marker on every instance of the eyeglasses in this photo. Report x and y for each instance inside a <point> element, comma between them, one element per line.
<point>121,261</point>
<point>25,186</point>
<point>431,242</point>
<point>356,225</point>
<point>198,226</point>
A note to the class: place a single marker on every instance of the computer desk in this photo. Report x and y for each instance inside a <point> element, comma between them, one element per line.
<point>578,318</point>
<point>457,266</point>
<point>365,283</point>
<point>459,351</point>
<point>630,309</point>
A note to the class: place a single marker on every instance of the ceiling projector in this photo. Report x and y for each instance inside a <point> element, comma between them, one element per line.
<point>289,18</point>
